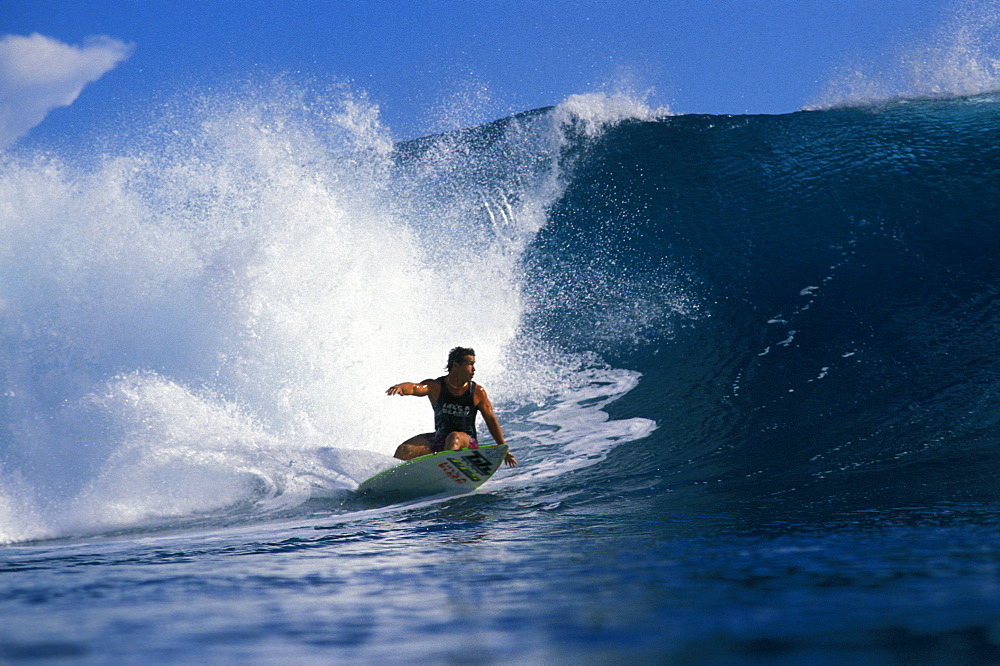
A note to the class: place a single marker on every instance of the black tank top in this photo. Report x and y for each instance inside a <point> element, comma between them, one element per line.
<point>455,413</point>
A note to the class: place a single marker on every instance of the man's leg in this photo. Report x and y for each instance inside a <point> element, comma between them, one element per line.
<point>414,447</point>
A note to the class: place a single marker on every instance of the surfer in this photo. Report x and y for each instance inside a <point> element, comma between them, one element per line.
<point>456,399</point>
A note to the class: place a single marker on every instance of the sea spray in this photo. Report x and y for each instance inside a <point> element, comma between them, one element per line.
<point>960,58</point>
<point>192,311</point>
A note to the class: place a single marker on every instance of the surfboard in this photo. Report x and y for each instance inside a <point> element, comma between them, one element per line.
<point>445,473</point>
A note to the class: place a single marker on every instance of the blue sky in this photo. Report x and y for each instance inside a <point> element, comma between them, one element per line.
<point>413,58</point>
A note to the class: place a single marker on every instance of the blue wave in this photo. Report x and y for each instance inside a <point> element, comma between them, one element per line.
<point>833,289</point>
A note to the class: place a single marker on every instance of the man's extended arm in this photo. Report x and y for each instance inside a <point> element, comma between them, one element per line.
<point>409,388</point>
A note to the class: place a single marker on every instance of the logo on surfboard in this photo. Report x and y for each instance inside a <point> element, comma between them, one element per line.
<point>461,467</point>
<point>476,460</point>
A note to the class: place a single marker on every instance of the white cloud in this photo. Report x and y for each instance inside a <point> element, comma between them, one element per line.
<point>38,74</point>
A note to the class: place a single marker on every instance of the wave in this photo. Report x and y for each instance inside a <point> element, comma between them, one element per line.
<point>838,293</point>
<point>198,321</point>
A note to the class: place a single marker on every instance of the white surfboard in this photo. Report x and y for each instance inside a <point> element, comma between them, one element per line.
<point>445,473</point>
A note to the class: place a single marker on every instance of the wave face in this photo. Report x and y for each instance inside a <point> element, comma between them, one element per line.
<point>802,306</point>
<point>844,347</point>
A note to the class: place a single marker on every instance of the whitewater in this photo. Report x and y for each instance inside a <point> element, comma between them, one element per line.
<point>749,366</point>
<point>194,320</point>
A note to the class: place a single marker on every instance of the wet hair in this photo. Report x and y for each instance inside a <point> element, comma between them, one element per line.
<point>457,354</point>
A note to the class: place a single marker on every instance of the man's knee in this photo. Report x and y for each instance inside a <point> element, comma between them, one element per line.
<point>407,451</point>
<point>457,441</point>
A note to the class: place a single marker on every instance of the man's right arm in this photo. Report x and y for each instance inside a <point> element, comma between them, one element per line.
<point>409,388</point>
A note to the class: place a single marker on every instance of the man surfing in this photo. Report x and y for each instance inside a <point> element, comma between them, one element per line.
<point>456,400</point>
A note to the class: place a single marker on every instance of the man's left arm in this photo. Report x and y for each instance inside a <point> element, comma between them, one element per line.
<point>492,423</point>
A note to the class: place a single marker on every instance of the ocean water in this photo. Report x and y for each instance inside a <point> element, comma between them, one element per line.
<point>750,366</point>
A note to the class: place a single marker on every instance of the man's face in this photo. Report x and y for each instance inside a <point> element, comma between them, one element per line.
<point>465,368</point>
